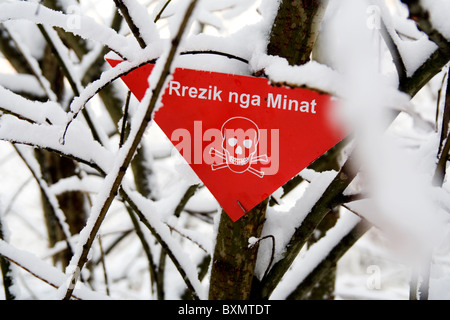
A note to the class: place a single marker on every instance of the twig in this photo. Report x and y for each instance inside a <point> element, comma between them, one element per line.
<point>5,268</point>
<point>35,274</point>
<point>272,255</point>
<point>125,119</point>
<point>302,233</point>
<point>79,159</point>
<point>133,27</point>
<point>16,194</point>
<point>322,163</point>
<point>31,63</point>
<point>307,284</point>
<point>161,241</point>
<point>38,6</point>
<point>94,88</point>
<point>146,247</point>
<point>158,16</point>
<point>102,259</point>
<point>422,17</point>
<point>215,52</point>
<point>434,64</point>
<point>127,152</point>
<point>51,198</point>
<point>446,112</point>
<point>395,53</point>
<point>439,174</point>
<point>162,257</point>
<point>41,270</point>
<point>172,228</point>
<point>102,173</point>
<point>74,83</point>
<point>437,60</point>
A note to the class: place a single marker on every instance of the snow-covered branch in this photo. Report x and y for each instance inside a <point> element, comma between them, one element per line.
<point>86,28</point>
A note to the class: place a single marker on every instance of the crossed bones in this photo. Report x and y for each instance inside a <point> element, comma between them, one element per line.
<point>251,160</point>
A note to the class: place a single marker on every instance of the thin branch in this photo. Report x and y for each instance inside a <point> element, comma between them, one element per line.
<point>125,119</point>
<point>190,192</point>
<point>215,52</point>
<point>272,255</point>
<point>30,63</point>
<point>21,10</point>
<point>41,270</point>
<point>317,274</point>
<point>322,163</point>
<point>75,84</point>
<point>97,86</point>
<point>158,16</point>
<point>127,152</point>
<point>5,268</point>
<point>146,247</point>
<point>443,92</point>
<point>36,274</point>
<point>439,174</point>
<point>172,228</point>
<point>302,233</point>
<point>16,194</point>
<point>162,257</point>
<point>102,259</point>
<point>51,198</point>
<point>133,27</point>
<point>94,88</point>
<point>395,53</point>
<point>98,168</point>
<point>422,17</point>
<point>436,61</point>
<point>161,241</point>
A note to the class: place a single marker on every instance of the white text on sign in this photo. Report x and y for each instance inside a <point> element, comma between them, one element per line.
<point>212,93</point>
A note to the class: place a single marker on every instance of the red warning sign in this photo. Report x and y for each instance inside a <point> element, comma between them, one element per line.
<point>243,137</point>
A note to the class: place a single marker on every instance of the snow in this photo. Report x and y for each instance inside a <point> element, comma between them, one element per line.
<point>315,254</point>
<point>34,111</point>
<point>438,14</point>
<point>79,144</point>
<point>90,29</point>
<point>42,270</point>
<point>282,224</point>
<point>413,45</point>
<point>17,83</point>
<point>152,213</point>
<point>31,60</point>
<point>410,214</point>
<point>312,75</point>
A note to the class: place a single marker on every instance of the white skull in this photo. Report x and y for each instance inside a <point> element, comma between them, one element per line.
<point>240,137</point>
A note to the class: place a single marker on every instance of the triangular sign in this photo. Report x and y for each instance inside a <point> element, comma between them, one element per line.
<point>243,137</point>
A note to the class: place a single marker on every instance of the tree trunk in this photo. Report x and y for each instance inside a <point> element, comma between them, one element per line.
<point>54,168</point>
<point>234,260</point>
<point>295,29</point>
<point>232,276</point>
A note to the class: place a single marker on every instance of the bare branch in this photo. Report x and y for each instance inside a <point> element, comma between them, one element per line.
<point>437,60</point>
<point>133,27</point>
<point>127,152</point>
<point>330,260</point>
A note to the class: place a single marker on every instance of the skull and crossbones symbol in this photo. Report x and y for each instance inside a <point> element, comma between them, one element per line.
<point>240,138</point>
